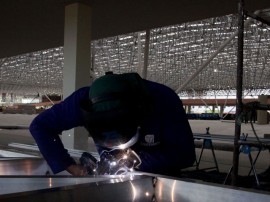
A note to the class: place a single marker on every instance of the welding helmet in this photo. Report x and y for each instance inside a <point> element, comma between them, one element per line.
<point>115,108</point>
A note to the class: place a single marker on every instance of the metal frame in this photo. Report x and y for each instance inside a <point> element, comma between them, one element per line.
<point>175,55</point>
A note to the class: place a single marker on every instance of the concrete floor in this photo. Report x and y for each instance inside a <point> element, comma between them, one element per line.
<point>224,158</point>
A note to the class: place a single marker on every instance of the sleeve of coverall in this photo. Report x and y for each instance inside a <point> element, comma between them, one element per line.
<point>48,125</point>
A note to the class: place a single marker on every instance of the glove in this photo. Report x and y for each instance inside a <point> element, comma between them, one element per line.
<point>113,162</point>
<point>89,162</point>
<point>117,162</point>
<point>77,170</point>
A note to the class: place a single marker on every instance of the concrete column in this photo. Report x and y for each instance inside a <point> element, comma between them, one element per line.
<point>262,114</point>
<point>76,73</point>
<point>4,97</point>
<point>189,109</point>
<point>11,97</point>
<point>221,111</point>
<point>213,108</point>
<point>185,108</point>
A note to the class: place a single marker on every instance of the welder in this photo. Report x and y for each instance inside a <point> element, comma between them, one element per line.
<point>121,112</point>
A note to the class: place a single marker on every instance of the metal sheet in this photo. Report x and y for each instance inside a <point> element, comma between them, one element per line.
<point>10,154</point>
<point>138,188</point>
<point>23,166</point>
<point>177,190</point>
<point>25,184</point>
<point>135,187</point>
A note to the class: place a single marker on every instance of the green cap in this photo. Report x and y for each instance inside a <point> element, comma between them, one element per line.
<point>113,91</point>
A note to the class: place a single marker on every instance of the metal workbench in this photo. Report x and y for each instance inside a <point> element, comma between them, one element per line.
<point>26,180</point>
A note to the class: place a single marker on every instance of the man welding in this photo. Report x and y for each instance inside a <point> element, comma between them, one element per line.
<point>141,121</point>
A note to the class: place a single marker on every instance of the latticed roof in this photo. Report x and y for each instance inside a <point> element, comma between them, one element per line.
<point>176,53</point>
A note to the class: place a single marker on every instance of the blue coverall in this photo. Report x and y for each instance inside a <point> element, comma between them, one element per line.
<point>165,146</point>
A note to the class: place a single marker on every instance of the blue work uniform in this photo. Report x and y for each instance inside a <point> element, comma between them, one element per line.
<point>165,145</point>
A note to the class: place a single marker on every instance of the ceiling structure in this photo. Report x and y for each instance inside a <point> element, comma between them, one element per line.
<point>183,35</point>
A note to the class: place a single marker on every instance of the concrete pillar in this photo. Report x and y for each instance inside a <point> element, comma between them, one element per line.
<point>221,111</point>
<point>11,97</point>
<point>189,109</point>
<point>262,114</point>
<point>213,108</point>
<point>4,97</point>
<point>185,108</point>
<point>76,73</point>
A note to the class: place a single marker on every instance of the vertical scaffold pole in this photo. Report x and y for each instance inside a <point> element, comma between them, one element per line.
<point>239,87</point>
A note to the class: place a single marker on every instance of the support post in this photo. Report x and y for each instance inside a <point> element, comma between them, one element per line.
<point>77,61</point>
<point>213,109</point>
<point>189,109</point>
<point>239,104</point>
<point>221,111</point>
<point>262,118</point>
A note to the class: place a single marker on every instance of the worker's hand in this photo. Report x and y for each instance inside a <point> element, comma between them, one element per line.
<point>89,162</point>
<point>77,170</point>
